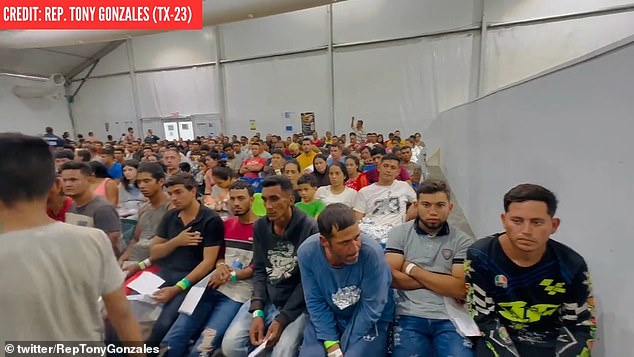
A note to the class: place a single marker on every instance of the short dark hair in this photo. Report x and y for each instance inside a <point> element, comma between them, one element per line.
<point>64,154</point>
<point>284,183</point>
<point>153,168</point>
<point>309,179</point>
<point>306,139</point>
<point>431,186</point>
<point>74,165</point>
<point>377,150</point>
<point>278,152</point>
<point>356,161</point>
<point>185,167</point>
<point>390,157</point>
<point>241,185</point>
<point>223,172</point>
<point>108,151</point>
<point>84,155</point>
<point>335,217</point>
<point>293,162</point>
<point>227,146</point>
<point>99,170</point>
<point>27,172</point>
<point>181,178</point>
<point>531,192</point>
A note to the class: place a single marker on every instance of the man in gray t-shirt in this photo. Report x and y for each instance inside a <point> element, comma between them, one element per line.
<point>90,210</point>
<point>426,257</point>
<point>53,273</point>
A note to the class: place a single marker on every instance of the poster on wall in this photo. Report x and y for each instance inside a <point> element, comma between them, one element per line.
<point>252,125</point>
<point>308,123</point>
<point>289,119</point>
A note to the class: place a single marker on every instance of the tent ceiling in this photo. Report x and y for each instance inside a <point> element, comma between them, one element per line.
<point>46,52</point>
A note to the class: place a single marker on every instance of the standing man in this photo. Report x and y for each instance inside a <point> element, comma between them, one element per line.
<point>172,160</point>
<point>426,256</point>
<point>276,313</point>
<point>52,139</point>
<point>56,272</point>
<point>185,248</point>
<point>305,159</point>
<point>346,285</point>
<point>252,167</point>
<point>358,129</point>
<point>114,168</point>
<point>530,295</point>
<point>89,210</point>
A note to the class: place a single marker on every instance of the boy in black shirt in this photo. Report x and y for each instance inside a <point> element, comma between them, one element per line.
<point>185,248</point>
<point>530,295</point>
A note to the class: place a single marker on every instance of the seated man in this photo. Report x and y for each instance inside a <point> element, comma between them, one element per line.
<point>346,285</point>
<point>277,304</point>
<point>150,179</point>
<point>530,295</point>
<point>386,201</point>
<point>229,287</point>
<point>185,248</point>
<point>426,256</point>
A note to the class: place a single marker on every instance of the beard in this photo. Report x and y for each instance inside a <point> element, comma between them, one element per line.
<point>432,225</point>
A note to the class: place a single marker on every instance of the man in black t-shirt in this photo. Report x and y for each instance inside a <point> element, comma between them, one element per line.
<point>185,248</point>
<point>530,295</point>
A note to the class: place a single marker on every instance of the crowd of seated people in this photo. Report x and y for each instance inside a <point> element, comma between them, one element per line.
<point>296,273</point>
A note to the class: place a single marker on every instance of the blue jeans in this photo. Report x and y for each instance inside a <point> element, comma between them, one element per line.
<point>208,322</point>
<point>417,336</point>
<point>373,344</point>
<point>238,344</point>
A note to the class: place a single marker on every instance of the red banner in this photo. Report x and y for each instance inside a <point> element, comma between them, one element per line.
<point>101,15</point>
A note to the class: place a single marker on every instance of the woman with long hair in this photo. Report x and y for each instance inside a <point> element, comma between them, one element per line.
<point>101,183</point>
<point>320,170</point>
<point>336,192</point>
<point>356,179</point>
<point>224,177</point>
<point>130,197</point>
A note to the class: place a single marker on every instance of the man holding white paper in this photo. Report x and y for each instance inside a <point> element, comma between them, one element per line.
<point>185,248</point>
<point>229,285</point>
<point>426,256</point>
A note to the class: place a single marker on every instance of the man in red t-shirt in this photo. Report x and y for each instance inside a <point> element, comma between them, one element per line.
<point>57,203</point>
<point>252,167</point>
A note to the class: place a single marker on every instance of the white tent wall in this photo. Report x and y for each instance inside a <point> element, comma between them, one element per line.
<point>515,53</point>
<point>569,131</point>
<point>31,115</point>
<point>395,64</point>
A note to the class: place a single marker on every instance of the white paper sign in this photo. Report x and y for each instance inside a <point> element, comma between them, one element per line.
<point>147,283</point>
<point>460,317</point>
<point>193,296</point>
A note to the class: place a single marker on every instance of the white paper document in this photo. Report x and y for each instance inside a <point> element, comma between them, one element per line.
<point>260,348</point>
<point>458,314</point>
<point>193,296</point>
<point>147,283</point>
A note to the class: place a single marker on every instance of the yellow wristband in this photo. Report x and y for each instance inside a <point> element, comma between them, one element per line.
<point>329,344</point>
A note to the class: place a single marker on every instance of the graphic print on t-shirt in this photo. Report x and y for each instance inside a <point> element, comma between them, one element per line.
<point>386,206</point>
<point>283,262</point>
<point>346,296</point>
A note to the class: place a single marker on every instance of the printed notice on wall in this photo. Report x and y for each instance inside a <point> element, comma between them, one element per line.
<point>101,15</point>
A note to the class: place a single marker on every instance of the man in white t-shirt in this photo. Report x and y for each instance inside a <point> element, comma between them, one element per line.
<point>386,202</point>
<point>53,273</point>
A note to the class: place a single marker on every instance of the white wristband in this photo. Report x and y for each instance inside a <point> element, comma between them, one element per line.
<point>409,268</point>
<point>335,353</point>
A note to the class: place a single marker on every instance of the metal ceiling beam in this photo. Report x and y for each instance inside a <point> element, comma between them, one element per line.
<point>111,46</point>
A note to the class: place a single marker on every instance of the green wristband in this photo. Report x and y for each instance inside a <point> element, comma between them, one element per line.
<point>329,344</point>
<point>258,313</point>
